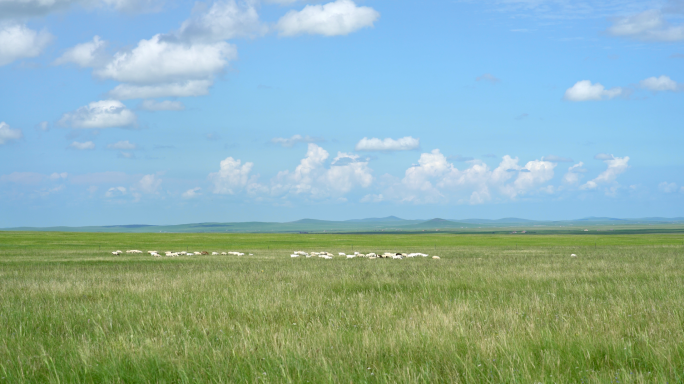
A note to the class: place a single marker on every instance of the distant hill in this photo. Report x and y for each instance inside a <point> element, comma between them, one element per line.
<point>378,220</point>
<point>372,225</point>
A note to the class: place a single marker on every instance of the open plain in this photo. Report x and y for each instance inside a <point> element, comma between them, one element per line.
<point>494,308</point>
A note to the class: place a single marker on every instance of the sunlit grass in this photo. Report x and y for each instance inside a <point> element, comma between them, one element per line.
<point>483,313</point>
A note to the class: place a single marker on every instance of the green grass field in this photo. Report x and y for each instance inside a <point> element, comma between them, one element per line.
<point>495,308</point>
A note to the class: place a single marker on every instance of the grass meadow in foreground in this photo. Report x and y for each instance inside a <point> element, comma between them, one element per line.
<point>490,310</point>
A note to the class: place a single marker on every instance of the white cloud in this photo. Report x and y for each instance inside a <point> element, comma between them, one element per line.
<point>82,146</point>
<point>616,166</point>
<point>435,180</point>
<point>115,192</point>
<point>648,26</point>
<point>149,184</point>
<point>232,177</point>
<point>573,175</point>
<point>662,83</point>
<point>100,114</point>
<point>57,176</point>
<point>388,144</point>
<point>340,17</point>
<point>90,54</point>
<point>7,133</point>
<point>179,89</point>
<point>667,187</point>
<point>123,145</point>
<point>18,42</point>
<point>160,61</point>
<point>191,193</point>
<point>603,156</point>
<point>534,173</point>
<point>224,20</point>
<point>290,142</point>
<point>313,179</point>
<point>166,105</point>
<point>584,90</point>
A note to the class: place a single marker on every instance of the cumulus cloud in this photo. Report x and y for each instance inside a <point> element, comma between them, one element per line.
<point>647,26</point>
<point>149,184</point>
<point>488,77</point>
<point>82,146</point>
<point>224,20</point>
<point>90,54</point>
<point>160,61</point>
<point>435,180</point>
<point>584,90</point>
<point>616,166</point>
<point>290,142</point>
<point>662,83</point>
<point>8,134</point>
<point>191,193</point>
<point>311,178</point>
<point>557,159</point>
<point>100,114</point>
<point>19,42</point>
<point>161,67</point>
<point>124,145</point>
<point>233,177</point>
<point>403,144</point>
<point>340,17</point>
<point>166,105</point>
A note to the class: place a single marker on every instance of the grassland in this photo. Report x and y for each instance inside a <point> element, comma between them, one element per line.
<point>495,308</point>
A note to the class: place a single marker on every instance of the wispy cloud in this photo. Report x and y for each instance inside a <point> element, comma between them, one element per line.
<point>295,139</point>
<point>374,144</point>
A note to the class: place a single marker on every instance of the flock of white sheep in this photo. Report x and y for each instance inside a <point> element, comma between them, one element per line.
<point>386,255</point>
<point>180,253</point>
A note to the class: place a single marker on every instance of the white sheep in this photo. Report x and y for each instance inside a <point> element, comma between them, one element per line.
<point>214,253</point>
<point>573,255</point>
<point>350,256</point>
<point>294,255</point>
<point>435,257</point>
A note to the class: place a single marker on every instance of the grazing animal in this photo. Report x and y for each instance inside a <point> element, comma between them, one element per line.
<point>573,255</point>
<point>435,257</point>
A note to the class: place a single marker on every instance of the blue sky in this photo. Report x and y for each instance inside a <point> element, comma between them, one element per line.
<point>165,112</point>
